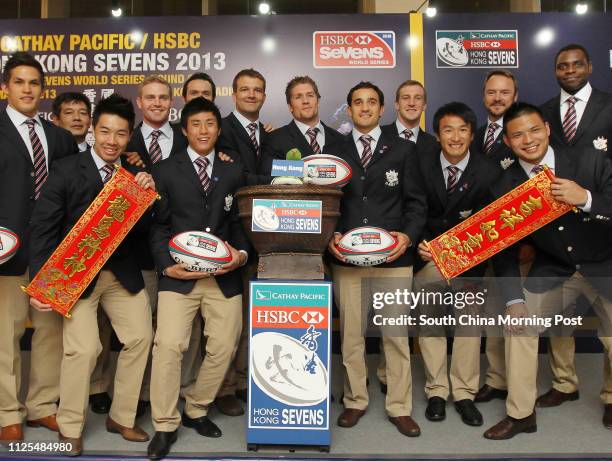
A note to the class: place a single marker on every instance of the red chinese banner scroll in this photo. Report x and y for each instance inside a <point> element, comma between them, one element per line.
<point>500,224</point>
<point>89,244</point>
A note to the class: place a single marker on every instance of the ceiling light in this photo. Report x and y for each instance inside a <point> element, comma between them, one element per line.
<point>581,8</point>
<point>431,11</point>
<point>264,8</point>
<point>117,12</point>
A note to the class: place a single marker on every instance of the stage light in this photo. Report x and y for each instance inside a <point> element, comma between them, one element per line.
<point>117,12</point>
<point>431,11</point>
<point>545,37</point>
<point>268,45</point>
<point>581,8</point>
<point>264,8</point>
<point>136,36</point>
<point>11,44</point>
<point>413,41</point>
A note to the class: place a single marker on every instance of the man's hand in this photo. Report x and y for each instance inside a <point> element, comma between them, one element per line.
<point>268,127</point>
<point>403,242</point>
<point>331,246</point>
<point>238,259</point>
<point>225,158</point>
<point>40,306</point>
<point>424,252</point>
<point>515,311</point>
<point>145,180</point>
<point>133,158</point>
<point>179,271</point>
<point>569,192</point>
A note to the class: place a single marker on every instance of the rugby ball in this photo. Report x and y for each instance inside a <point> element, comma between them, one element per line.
<point>326,170</point>
<point>366,246</point>
<point>9,244</point>
<point>201,251</point>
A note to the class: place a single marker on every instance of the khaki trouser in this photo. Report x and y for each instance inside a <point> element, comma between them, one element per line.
<point>465,358</point>
<point>561,357</point>
<point>130,316</point>
<point>45,357</point>
<point>175,315</point>
<point>348,285</point>
<point>522,350</point>
<point>101,375</point>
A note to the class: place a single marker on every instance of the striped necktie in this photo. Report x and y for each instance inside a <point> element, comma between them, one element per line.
<point>202,163</point>
<point>569,121</point>
<point>314,145</point>
<point>252,134</point>
<point>488,145</point>
<point>155,151</point>
<point>40,162</point>
<point>453,178</point>
<point>408,134</point>
<point>537,169</point>
<point>366,156</point>
<point>108,171</point>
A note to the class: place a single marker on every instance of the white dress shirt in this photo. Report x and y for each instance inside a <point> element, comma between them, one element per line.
<point>375,134</point>
<point>462,165</point>
<point>19,120</point>
<point>400,128</point>
<point>165,139</point>
<point>320,135</point>
<point>83,146</point>
<point>498,130</point>
<point>102,163</point>
<point>582,98</point>
<point>193,156</point>
<point>245,122</point>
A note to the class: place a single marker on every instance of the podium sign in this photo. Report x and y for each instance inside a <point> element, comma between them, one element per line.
<point>289,363</point>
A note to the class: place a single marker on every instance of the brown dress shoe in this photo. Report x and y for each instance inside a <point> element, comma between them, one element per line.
<point>554,398</point>
<point>509,427</point>
<point>229,405</point>
<point>350,417</point>
<point>48,421</point>
<point>406,425</point>
<point>11,433</point>
<point>487,393</point>
<point>607,416</point>
<point>131,434</point>
<point>75,445</point>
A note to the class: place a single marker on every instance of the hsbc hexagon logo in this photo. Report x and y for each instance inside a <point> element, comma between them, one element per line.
<point>349,49</point>
<point>312,317</point>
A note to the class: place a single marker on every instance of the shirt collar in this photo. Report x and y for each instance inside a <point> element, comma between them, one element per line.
<point>147,129</point>
<point>375,133</point>
<point>401,127</point>
<point>548,160</point>
<point>101,163</point>
<point>304,128</point>
<point>18,118</point>
<point>243,120</point>
<point>462,165</point>
<point>83,146</point>
<point>582,95</point>
<point>500,122</point>
<point>193,155</point>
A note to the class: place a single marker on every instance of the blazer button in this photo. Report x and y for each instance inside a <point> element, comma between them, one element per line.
<point>363,178</point>
<point>365,199</point>
<point>365,220</point>
<point>32,174</point>
<point>577,267</point>
<point>561,228</point>
<point>569,249</point>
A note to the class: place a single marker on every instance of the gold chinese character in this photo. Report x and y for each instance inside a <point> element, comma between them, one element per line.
<point>90,244</point>
<point>489,228</point>
<point>118,207</point>
<point>74,264</point>
<point>472,242</point>
<point>510,218</point>
<point>103,226</point>
<point>528,206</point>
<point>450,242</point>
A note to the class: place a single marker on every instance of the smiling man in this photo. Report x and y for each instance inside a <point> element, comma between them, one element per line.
<point>72,111</point>
<point>73,185</point>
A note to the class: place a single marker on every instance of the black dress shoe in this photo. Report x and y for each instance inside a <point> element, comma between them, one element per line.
<point>436,409</point>
<point>383,388</point>
<point>242,394</point>
<point>469,413</point>
<point>229,405</point>
<point>161,443</point>
<point>141,409</point>
<point>202,425</point>
<point>509,427</point>
<point>487,393</point>
<point>554,398</point>
<point>100,403</point>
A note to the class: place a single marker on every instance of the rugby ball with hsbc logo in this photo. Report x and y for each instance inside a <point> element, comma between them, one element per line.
<point>201,251</point>
<point>366,246</point>
<point>326,170</point>
<point>9,244</point>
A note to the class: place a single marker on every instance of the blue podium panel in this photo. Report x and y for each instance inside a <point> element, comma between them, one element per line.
<point>289,363</point>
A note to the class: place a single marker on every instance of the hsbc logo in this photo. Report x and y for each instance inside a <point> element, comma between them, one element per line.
<point>349,49</point>
<point>312,318</point>
<point>297,318</point>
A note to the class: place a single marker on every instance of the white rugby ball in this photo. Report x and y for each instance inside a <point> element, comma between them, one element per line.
<point>9,244</point>
<point>326,170</point>
<point>201,251</point>
<point>366,246</point>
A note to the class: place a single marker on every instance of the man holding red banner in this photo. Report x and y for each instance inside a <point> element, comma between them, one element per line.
<point>73,185</point>
<point>573,257</point>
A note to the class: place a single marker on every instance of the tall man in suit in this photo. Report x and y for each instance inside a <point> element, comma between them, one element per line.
<point>29,145</point>
<point>199,85</point>
<point>385,192</point>
<point>457,184</point>
<point>197,193</point>
<point>500,91</point>
<point>72,111</point>
<point>410,103</point>
<point>73,185</point>
<point>580,116</point>
<point>573,257</point>
<point>306,131</point>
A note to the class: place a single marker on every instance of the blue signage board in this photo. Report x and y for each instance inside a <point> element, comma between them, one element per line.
<point>287,168</point>
<point>289,363</point>
<point>294,216</point>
